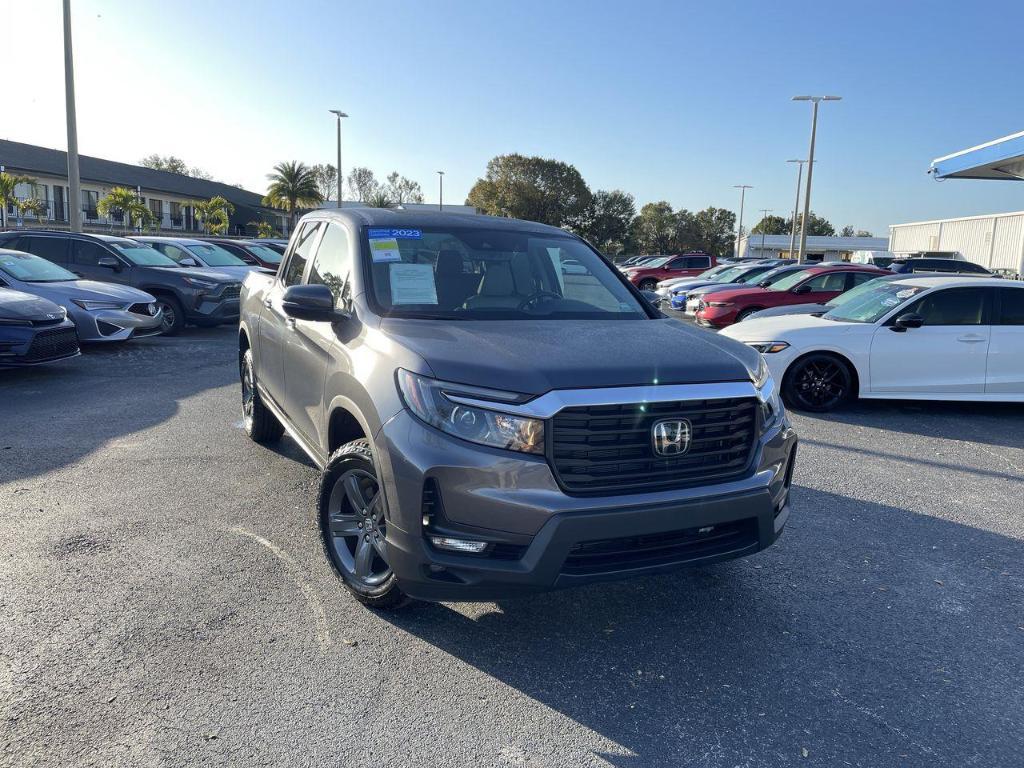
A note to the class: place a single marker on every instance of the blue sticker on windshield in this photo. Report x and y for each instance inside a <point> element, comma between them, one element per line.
<point>405,234</point>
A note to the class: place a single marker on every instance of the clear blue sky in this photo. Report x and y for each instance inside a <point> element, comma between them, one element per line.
<point>666,100</point>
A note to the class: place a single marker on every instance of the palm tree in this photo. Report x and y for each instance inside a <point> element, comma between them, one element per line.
<point>124,201</point>
<point>8,181</point>
<point>214,214</point>
<point>292,186</point>
<point>380,199</point>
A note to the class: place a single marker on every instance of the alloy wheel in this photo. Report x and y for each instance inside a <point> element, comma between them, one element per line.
<point>821,384</point>
<point>248,391</point>
<point>168,318</point>
<point>358,530</point>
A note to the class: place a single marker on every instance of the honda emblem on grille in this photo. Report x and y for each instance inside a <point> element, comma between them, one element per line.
<point>671,437</point>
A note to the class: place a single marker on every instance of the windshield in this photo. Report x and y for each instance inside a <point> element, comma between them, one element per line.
<point>774,275</point>
<point>141,255</point>
<point>32,269</point>
<point>492,274</point>
<point>875,302</point>
<point>215,256</point>
<point>853,293</point>
<point>651,263</point>
<point>264,253</point>
<point>753,275</point>
<point>728,275</point>
<point>788,281</point>
<point>713,272</point>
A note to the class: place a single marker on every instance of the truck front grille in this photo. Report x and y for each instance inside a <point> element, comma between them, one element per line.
<point>608,449</point>
<point>650,551</point>
<point>48,345</point>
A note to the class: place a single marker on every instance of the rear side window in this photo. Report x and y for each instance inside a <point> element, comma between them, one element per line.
<point>301,253</point>
<point>1011,306</point>
<point>830,281</point>
<point>858,278</point>
<point>332,264</point>
<point>88,254</point>
<point>697,262</point>
<point>53,249</point>
<point>953,306</point>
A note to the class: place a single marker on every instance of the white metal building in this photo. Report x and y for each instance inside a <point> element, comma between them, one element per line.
<point>995,241</point>
<point>818,248</point>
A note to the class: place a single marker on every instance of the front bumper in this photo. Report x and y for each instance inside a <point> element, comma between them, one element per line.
<point>25,346</point>
<point>115,324</point>
<point>544,539</point>
<point>214,310</point>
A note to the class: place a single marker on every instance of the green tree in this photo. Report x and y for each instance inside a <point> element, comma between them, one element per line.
<point>403,190</point>
<point>863,233</point>
<point>124,201</point>
<point>32,206</point>
<point>362,184</point>
<point>656,228</point>
<point>8,183</point>
<point>816,225</point>
<point>264,229</point>
<point>712,230</point>
<point>326,176</point>
<point>379,199</point>
<point>846,231</point>
<point>607,220</point>
<point>214,214</point>
<point>532,188</point>
<point>771,225</point>
<point>174,165</point>
<point>292,186</point>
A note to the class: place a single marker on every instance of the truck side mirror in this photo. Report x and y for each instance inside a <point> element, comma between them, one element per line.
<point>311,302</point>
<point>909,320</point>
<point>109,262</point>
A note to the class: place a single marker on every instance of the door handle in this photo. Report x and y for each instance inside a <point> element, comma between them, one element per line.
<point>267,303</point>
<point>970,338</point>
<point>290,322</point>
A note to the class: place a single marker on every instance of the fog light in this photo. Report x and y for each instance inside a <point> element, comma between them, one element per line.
<point>458,545</point>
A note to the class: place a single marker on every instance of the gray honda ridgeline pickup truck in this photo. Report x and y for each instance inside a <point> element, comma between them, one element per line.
<point>497,411</point>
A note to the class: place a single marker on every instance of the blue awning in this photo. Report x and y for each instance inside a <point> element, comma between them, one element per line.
<point>999,159</point>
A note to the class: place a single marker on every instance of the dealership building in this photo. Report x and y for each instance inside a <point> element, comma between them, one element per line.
<point>996,240</point>
<point>819,248</point>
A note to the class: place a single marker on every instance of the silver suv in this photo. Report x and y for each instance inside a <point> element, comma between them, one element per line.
<point>497,411</point>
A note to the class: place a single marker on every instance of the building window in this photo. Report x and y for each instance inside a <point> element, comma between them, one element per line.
<point>157,208</point>
<point>90,199</point>
<point>176,217</point>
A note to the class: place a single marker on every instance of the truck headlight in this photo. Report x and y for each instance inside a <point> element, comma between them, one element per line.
<point>197,283</point>
<point>719,303</point>
<point>768,347</point>
<point>426,398</point>
<point>767,395</point>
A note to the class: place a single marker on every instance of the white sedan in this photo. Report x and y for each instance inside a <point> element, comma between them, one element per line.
<point>923,338</point>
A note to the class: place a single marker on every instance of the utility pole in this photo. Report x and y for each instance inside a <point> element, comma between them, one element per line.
<point>815,100</point>
<point>764,215</point>
<point>739,230</point>
<point>440,190</point>
<point>339,114</point>
<point>796,204</point>
<point>74,181</point>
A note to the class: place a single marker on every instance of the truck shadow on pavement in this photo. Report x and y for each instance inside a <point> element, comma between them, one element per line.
<point>868,635</point>
<point>55,415</point>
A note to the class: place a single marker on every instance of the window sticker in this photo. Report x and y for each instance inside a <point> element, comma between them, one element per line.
<point>889,301</point>
<point>405,234</point>
<point>384,249</point>
<point>412,284</point>
<point>906,294</point>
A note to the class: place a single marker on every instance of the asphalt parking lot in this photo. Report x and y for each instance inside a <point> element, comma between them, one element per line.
<point>164,601</point>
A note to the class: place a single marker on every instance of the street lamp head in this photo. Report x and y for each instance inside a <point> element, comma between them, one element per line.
<point>817,98</point>
<point>741,186</point>
<point>337,112</point>
<point>440,173</point>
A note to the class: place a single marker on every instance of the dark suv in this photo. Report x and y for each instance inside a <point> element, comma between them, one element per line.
<point>496,410</point>
<point>201,296</point>
<point>933,264</point>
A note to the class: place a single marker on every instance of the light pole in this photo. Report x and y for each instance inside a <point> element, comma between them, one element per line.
<point>810,166</point>
<point>339,115</point>
<point>739,230</point>
<point>440,190</point>
<point>796,204</point>
<point>74,181</point>
<point>764,215</point>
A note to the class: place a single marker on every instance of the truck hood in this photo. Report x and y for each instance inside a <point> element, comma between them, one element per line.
<point>15,305</point>
<point>536,356</point>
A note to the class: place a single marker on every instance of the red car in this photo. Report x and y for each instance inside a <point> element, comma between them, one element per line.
<point>689,264</point>
<point>815,285</point>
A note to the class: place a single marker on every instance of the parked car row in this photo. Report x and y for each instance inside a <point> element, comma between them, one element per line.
<point>110,289</point>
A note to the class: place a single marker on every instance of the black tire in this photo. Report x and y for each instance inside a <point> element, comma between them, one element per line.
<point>260,424</point>
<point>353,527</point>
<point>818,382</point>
<point>746,313</point>
<point>648,284</point>
<point>174,316</point>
